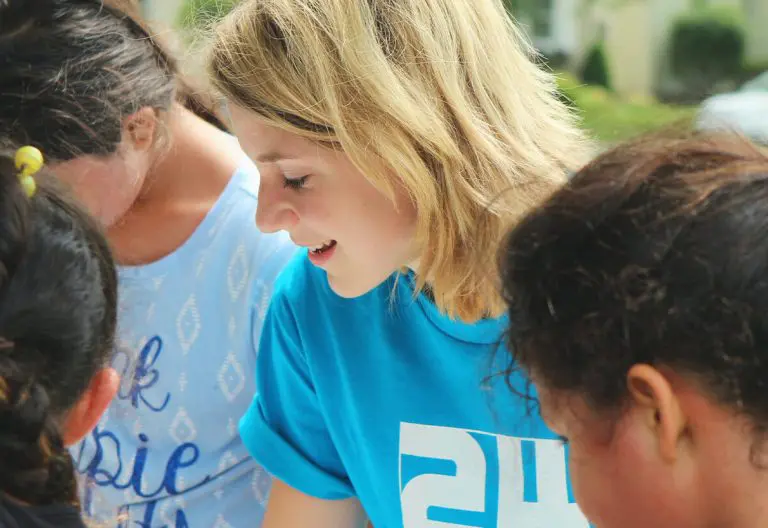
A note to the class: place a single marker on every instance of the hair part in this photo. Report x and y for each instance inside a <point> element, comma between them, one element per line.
<point>654,253</point>
<point>413,90</point>
<point>53,257</point>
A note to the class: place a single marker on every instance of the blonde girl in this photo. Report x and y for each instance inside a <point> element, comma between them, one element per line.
<point>397,142</point>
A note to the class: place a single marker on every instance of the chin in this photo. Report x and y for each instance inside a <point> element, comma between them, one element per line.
<point>350,289</point>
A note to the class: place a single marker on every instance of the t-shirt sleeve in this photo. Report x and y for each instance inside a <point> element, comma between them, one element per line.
<point>284,428</point>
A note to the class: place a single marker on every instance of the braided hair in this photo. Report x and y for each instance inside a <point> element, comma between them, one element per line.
<point>57,321</point>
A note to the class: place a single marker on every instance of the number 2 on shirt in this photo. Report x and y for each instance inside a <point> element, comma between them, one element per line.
<point>458,478</point>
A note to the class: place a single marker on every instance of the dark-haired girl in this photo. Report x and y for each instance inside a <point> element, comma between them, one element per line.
<point>58,294</point>
<point>88,83</point>
<point>639,300</point>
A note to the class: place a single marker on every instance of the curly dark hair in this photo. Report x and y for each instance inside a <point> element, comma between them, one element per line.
<point>655,253</point>
<point>58,295</point>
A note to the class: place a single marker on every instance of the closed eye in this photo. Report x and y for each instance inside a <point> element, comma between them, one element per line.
<point>295,183</point>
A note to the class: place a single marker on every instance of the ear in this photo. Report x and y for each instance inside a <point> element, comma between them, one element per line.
<point>140,128</point>
<point>84,416</point>
<point>659,406</point>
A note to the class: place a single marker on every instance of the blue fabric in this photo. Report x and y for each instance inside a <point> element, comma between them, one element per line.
<point>384,398</point>
<point>167,453</point>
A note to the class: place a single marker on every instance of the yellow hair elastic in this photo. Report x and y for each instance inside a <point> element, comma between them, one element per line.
<point>29,161</point>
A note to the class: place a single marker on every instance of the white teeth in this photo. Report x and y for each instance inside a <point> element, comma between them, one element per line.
<point>324,245</point>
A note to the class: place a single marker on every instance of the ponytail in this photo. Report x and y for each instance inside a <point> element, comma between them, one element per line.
<point>35,467</point>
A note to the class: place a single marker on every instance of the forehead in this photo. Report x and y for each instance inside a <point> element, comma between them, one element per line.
<point>266,143</point>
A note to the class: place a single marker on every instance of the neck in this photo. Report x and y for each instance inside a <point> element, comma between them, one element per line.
<point>196,151</point>
<point>184,182</point>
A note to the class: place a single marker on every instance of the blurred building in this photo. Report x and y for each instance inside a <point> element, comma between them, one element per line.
<point>635,34</point>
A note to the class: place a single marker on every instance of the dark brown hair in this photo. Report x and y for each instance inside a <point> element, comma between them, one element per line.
<point>190,93</point>
<point>58,295</point>
<point>656,253</point>
<point>73,70</point>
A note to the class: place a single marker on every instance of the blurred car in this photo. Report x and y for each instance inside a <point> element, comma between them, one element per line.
<point>744,111</point>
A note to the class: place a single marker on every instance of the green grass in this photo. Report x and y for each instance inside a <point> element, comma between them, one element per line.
<point>610,119</point>
<point>606,116</point>
<point>199,14</point>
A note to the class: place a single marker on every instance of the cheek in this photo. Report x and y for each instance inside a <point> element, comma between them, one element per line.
<point>106,188</point>
<point>80,176</point>
<point>601,489</point>
<point>619,486</point>
<point>385,235</point>
<point>359,216</point>
<point>391,225</point>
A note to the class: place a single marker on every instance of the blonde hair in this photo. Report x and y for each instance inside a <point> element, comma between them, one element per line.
<point>442,94</point>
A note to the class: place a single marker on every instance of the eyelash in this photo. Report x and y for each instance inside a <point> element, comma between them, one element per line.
<point>295,183</point>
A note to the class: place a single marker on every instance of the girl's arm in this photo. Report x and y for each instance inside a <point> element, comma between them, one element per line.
<point>290,508</point>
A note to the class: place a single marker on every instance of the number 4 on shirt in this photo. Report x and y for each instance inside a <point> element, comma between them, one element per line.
<point>458,478</point>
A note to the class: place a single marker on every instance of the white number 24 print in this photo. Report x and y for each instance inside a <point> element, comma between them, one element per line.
<point>465,491</point>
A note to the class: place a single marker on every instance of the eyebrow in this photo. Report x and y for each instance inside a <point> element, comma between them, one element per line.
<point>269,157</point>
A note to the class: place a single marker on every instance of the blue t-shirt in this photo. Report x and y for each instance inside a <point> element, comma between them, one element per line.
<point>384,398</point>
<point>167,453</point>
